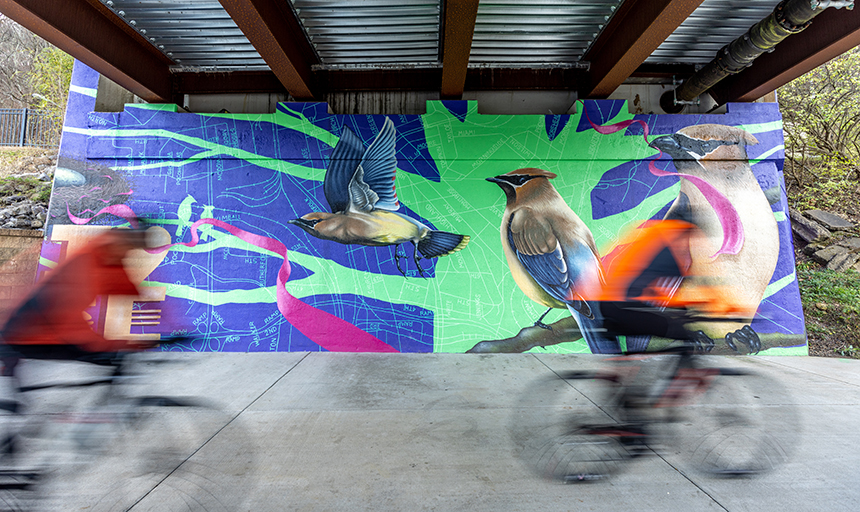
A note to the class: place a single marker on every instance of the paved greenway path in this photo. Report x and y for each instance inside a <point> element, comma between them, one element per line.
<point>411,432</point>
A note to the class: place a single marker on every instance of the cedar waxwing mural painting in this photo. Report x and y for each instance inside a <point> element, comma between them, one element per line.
<point>288,231</point>
<point>718,155</point>
<point>551,252</point>
<point>719,195</point>
<point>359,188</point>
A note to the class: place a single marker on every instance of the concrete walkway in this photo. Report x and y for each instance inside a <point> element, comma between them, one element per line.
<point>325,431</point>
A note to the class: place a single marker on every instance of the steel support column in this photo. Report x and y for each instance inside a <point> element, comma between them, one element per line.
<point>459,19</point>
<point>633,33</point>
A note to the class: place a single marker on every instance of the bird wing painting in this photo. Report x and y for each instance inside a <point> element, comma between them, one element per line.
<point>551,252</point>
<point>360,190</point>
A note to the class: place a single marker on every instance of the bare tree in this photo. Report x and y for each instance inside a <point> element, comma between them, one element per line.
<point>19,49</point>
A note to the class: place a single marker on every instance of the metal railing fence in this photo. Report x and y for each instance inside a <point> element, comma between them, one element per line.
<point>28,127</point>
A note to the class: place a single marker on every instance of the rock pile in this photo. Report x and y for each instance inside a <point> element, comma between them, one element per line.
<point>827,238</point>
<point>24,192</point>
<point>20,212</point>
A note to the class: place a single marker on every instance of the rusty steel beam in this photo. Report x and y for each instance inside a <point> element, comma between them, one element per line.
<point>227,82</point>
<point>633,33</point>
<point>546,79</point>
<point>679,70</point>
<point>459,27</point>
<point>832,33</point>
<point>278,37</point>
<point>86,33</point>
<point>406,79</point>
<point>422,79</point>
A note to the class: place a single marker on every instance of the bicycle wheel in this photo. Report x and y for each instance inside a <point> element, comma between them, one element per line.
<point>741,426</point>
<point>586,454</point>
<point>19,475</point>
<point>151,465</point>
<point>17,490</point>
<point>565,427</point>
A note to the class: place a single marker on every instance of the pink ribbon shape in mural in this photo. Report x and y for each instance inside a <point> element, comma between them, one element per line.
<point>326,330</point>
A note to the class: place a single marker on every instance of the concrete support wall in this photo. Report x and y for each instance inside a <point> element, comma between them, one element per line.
<point>19,259</point>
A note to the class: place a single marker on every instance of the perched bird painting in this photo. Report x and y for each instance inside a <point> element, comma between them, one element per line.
<point>551,253</point>
<point>717,154</point>
<point>359,188</point>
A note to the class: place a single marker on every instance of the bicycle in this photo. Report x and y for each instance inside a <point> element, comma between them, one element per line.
<point>675,404</point>
<point>114,448</point>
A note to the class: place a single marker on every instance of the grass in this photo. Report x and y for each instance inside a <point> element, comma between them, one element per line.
<point>10,155</point>
<point>831,303</point>
<point>839,290</point>
<point>10,159</point>
<point>39,191</point>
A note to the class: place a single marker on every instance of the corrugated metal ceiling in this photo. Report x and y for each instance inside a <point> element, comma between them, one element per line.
<point>537,33</point>
<point>193,33</point>
<point>379,33</point>
<point>372,32</point>
<point>713,25</point>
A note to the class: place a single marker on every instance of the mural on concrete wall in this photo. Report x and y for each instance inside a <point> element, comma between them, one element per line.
<point>303,230</point>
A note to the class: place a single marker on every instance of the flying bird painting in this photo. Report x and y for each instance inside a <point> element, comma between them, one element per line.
<point>360,190</point>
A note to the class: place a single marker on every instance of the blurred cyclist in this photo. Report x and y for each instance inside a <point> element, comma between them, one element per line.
<point>643,295</point>
<point>50,323</point>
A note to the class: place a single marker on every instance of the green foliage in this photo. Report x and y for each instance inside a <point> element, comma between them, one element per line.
<point>821,115</point>
<point>822,195</point>
<point>831,303</point>
<point>32,188</point>
<point>840,290</point>
<point>42,194</point>
<point>50,78</point>
<point>849,351</point>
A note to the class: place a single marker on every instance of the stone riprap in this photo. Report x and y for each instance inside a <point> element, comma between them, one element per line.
<point>822,233</point>
<point>808,230</point>
<point>829,220</point>
<point>21,186</point>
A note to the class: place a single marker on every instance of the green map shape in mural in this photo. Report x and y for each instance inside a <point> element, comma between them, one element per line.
<point>484,146</point>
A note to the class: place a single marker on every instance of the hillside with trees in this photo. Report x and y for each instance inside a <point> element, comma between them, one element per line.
<point>821,117</point>
<point>33,73</point>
